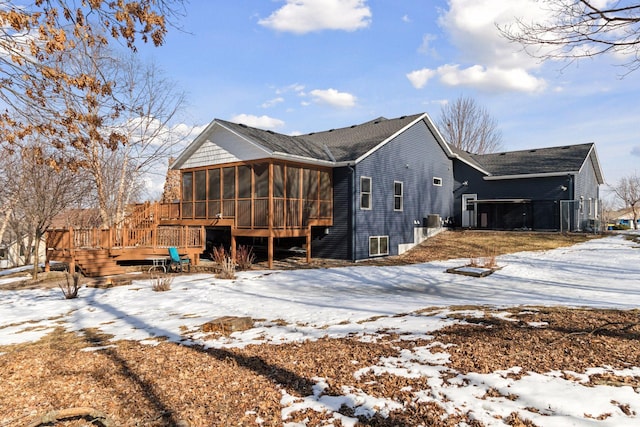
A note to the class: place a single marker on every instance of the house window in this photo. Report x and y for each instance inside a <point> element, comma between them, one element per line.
<point>378,245</point>
<point>365,192</point>
<point>398,201</point>
<point>437,181</point>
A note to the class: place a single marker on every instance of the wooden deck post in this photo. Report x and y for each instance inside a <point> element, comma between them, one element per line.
<point>308,245</point>
<point>72,252</point>
<point>270,253</point>
<point>233,246</point>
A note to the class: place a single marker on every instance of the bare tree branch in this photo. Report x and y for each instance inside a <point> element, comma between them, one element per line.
<point>469,127</point>
<point>36,39</point>
<point>577,29</point>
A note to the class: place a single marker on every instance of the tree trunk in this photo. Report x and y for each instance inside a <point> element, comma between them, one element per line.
<point>121,200</point>
<point>36,254</point>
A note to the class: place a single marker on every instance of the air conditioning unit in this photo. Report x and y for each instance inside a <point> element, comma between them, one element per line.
<point>431,221</point>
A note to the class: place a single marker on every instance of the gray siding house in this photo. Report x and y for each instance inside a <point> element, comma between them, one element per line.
<point>553,188</point>
<point>373,189</point>
<point>376,188</point>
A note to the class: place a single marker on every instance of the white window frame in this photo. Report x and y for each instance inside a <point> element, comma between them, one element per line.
<point>362,193</point>
<point>437,181</point>
<point>378,252</point>
<point>398,196</point>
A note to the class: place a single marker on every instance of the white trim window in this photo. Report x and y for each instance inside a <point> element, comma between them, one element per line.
<point>378,245</point>
<point>437,181</point>
<point>365,193</point>
<point>398,196</point>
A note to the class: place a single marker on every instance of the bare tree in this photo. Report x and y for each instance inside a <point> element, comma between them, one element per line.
<point>45,193</point>
<point>628,191</point>
<point>35,40</point>
<point>578,29</point>
<point>139,109</point>
<point>469,127</point>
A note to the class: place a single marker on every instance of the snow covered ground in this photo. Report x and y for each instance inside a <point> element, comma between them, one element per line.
<point>308,304</point>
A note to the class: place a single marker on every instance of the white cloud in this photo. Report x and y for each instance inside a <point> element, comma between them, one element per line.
<point>273,102</point>
<point>635,151</point>
<point>419,78</point>
<point>333,97</point>
<point>304,16</point>
<point>262,122</point>
<point>426,47</point>
<point>298,88</point>
<point>493,78</point>
<point>472,26</point>
<point>492,63</point>
<point>406,18</point>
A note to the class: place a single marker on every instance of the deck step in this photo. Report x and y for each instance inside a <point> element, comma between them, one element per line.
<point>97,263</point>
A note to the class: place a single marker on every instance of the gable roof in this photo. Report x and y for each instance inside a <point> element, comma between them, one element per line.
<point>552,161</point>
<point>335,146</point>
<point>353,142</point>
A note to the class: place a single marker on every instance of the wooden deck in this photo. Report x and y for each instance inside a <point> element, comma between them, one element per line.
<point>151,228</point>
<point>143,236</point>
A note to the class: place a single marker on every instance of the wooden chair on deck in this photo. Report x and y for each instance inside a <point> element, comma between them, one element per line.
<point>178,261</point>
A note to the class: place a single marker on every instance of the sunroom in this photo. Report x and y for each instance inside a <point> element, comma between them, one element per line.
<point>264,198</point>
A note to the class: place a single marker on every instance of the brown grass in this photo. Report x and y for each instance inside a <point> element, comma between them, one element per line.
<point>482,244</point>
<point>449,245</point>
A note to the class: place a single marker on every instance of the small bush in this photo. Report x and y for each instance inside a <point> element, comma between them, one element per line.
<point>161,283</point>
<point>227,269</point>
<point>219,254</point>
<point>70,289</point>
<point>225,263</point>
<point>245,257</point>
<point>488,261</point>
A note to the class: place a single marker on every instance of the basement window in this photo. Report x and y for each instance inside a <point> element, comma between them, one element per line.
<point>378,245</point>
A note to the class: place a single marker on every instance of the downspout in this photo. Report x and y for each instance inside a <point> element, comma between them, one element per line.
<point>353,212</point>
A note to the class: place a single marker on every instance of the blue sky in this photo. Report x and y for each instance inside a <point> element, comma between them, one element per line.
<point>310,65</point>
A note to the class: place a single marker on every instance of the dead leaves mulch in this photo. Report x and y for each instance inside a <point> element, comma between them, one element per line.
<point>169,384</point>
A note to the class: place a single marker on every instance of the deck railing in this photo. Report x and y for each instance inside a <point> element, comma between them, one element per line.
<point>161,236</point>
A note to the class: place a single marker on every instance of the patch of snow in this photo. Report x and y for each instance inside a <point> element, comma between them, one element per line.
<point>371,303</point>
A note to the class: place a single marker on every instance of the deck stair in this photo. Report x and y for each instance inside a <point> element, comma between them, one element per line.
<point>97,263</point>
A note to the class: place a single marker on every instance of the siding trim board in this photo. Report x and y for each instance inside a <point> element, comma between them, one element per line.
<point>529,175</point>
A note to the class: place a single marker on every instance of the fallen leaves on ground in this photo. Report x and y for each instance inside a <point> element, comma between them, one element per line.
<point>171,384</point>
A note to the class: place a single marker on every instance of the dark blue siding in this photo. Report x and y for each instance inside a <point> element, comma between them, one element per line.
<point>337,244</point>
<point>414,158</point>
<point>545,193</point>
